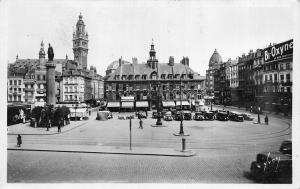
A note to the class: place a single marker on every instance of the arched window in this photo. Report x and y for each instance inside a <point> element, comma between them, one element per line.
<point>153,76</point>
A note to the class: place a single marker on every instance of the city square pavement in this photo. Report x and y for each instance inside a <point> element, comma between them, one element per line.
<point>223,151</point>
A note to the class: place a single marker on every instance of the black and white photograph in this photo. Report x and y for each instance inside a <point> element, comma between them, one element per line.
<point>200,93</point>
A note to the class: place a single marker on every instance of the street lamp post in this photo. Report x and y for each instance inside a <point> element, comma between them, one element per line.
<point>258,117</point>
<point>158,121</point>
<point>181,132</point>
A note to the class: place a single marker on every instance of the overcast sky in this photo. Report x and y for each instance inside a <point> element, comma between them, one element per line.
<point>126,28</point>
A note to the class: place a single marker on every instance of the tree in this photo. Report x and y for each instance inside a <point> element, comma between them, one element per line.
<point>37,114</point>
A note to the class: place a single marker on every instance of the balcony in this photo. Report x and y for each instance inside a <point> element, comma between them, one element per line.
<point>29,89</point>
<point>29,81</point>
<point>41,90</point>
<point>287,83</point>
<point>28,96</point>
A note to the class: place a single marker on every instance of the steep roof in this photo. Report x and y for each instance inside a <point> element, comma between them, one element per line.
<point>144,69</point>
<point>215,58</point>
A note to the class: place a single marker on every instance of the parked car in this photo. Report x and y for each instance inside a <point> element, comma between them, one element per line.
<point>178,116</point>
<point>273,167</point>
<point>199,116</point>
<point>286,147</point>
<point>154,115</point>
<point>222,116</point>
<point>141,115</point>
<point>168,116</point>
<point>247,117</point>
<point>210,115</point>
<point>110,115</point>
<point>235,116</point>
<point>187,115</point>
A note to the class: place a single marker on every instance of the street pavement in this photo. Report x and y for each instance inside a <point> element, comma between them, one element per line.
<point>224,151</point>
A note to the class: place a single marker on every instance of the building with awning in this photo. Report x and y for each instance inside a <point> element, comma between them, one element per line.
<point>113,105</point>
<point>168,104</point>
<point>127,104</point>
<point>141,104</point>
<point>184,103</point>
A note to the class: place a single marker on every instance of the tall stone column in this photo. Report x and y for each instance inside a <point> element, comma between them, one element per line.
<point>50,79</point>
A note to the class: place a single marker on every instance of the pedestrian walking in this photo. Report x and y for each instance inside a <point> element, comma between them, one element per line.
<point>59,126</point>
<point>141,124</point>
<point>267,120</point>
<point>250,109</point>
<point>19,140</point>
<point>146,114</point>
<point>47,126</point>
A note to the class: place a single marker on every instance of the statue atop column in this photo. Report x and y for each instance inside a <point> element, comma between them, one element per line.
<point>50,53</point>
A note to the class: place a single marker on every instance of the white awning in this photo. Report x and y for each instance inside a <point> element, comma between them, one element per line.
<point>184,103</point>
<point>168,103</point>
<point>113,104</point>
<point>127,105</point>
<point>141,104</point>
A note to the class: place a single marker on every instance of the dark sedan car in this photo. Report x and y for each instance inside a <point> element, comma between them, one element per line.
<point>154,115</point>
<point>199,116</point>
<point>273,167</point>
<point>178,116</point>
<point>187,115</point>
<point>210,115</point>
<point>234,116</point>
<point>222,116</point>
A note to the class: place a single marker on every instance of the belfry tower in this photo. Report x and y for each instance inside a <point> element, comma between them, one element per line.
<point>42,55</point>
<point>80,44</point>
<point>152,61</point>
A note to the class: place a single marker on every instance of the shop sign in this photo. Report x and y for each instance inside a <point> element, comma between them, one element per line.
<point>278,51</point>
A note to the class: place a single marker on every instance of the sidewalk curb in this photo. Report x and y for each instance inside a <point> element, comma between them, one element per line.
<point>49,133</point>
<point>99,152</point>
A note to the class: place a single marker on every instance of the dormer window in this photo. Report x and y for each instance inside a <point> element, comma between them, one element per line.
<point>170,76</point>
<point>163,76</point>
<point>130,77</point>
<point>153,76</point>
<point>123,77</point>
<point>137,77</point>
<point>144,77</point>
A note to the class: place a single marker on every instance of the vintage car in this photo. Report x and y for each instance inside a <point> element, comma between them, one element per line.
<point>178,116</point>
<point>235,116</point>
<point>187,115</point>
<point>141,115</point>
<point>247,117</point>
<point>210,115</point>
<point>199,116</point>
<point>222,116</point>
<point>273,167</point>
<point>110,115</point>
<point>168,116</point>
<point>154,115</point>
<point>286,147</point>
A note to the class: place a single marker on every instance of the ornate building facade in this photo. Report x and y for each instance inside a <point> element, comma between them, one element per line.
<point>73,81</point>
<point>145,83</point>
<point>259,79</point>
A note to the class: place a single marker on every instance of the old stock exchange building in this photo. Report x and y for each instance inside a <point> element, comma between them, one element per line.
<point>132,86</point>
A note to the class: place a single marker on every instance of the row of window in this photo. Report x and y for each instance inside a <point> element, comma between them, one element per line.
<point>73,97</point>
<point>269,77</point>
<point>277,89</point>
<point>14,98</point>
<point>71,89</point>
<point>153,76</point>
<point>15,82</point>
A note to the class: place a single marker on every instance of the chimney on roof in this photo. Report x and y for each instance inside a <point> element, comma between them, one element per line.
<point>17,57</point>
<point>171,61</point>
<point>134,60</point>
<point>185,61</point>
<point>120,61</point>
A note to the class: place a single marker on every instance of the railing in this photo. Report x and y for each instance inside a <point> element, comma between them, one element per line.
<point>29,89</point>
